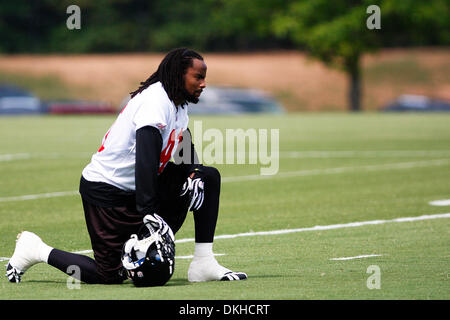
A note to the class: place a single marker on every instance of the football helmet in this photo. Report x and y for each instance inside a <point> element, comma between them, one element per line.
<point>148,257</point>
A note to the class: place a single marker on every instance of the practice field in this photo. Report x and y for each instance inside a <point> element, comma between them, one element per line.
<point>347,215</point>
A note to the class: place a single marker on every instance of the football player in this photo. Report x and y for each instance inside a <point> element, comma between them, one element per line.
<point>130,177</point>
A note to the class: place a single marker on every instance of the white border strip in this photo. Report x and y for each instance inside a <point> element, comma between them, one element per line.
<point>316,228</point>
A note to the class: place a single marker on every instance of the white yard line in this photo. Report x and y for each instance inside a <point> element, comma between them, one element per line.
<point>356,257</point>
<point>191,256</point>
<point>14,156</point>
<point>364,154</point>
<point>39,196</point>
<point>442,203</point>
<point>365,168</point>
<point>282,154</point>
<point>315,228</point>
<point>328,227</point>
<point>44,155</point>
<point>90,251</point>
<point>288,174</point>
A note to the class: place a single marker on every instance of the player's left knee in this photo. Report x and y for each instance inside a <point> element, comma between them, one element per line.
<point>212,175</point>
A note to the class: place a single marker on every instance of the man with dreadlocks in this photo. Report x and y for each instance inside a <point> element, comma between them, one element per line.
<point>131,177</point>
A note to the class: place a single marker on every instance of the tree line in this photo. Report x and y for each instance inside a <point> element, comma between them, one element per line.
<point>336,32</point>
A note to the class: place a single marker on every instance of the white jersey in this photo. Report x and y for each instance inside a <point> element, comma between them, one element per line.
<point>114,163</point>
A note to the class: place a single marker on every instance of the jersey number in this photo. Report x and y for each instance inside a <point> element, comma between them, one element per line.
<point>166,154</point>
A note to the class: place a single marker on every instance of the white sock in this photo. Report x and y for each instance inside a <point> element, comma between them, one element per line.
<point>203,249</point>
<point>204,266</point>
<point>44,252</point>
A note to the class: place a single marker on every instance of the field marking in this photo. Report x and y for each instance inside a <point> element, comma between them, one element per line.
<point>90,251</point>
<point>356,257</point>
<point>282,154</point>
<point>83,251</point>
<point>39,196</point>
<point>191,256</point>
<point>44,155</point>
<point>328,227</point>
<point>364,154</point>
<point>442,203</point>
<point>14,156</point>
<point>178,257</point>
<point>368,168</point>
<point>287,174</point>
<point>315,228</point>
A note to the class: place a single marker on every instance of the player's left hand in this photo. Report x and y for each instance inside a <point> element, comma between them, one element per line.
<point>194,187</point>
<point>158,223</point>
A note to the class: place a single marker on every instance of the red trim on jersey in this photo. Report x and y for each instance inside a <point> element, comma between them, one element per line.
<point>166,154</point>
<point>103,143</point>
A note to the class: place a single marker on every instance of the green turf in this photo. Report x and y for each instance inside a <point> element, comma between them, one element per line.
<point>347,168</point>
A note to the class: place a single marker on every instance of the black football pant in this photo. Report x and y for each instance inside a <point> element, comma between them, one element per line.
<point>110,228</point>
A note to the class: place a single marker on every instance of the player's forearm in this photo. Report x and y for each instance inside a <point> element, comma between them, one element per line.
<point>148,149</point>
<point>187,160</point>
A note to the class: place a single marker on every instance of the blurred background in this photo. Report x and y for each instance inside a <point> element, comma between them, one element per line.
<point>262,55</point>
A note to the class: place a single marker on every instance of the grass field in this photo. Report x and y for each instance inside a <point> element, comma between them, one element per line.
<point>334,170</point>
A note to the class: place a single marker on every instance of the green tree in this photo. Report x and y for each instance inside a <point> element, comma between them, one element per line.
<point>336,32</point>
<point>244,24</point>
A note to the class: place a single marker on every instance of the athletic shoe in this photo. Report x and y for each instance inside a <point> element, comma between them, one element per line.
<point>13,274</point>
<point>208,269</point>
<point>29,251</point>
<point>230,276</point>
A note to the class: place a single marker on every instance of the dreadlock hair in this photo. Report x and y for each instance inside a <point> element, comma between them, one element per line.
<point>171,73</point>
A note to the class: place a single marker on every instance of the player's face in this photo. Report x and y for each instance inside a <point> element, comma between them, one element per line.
<point>194,80</point>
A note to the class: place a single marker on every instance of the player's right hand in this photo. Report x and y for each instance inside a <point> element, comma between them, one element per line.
<point>194,187</point>
<point>158,223</point>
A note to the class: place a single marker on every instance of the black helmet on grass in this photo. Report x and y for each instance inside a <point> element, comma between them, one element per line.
<point>149,256</point>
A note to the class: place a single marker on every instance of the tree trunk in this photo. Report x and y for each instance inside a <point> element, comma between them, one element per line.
<point>354,93</point>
